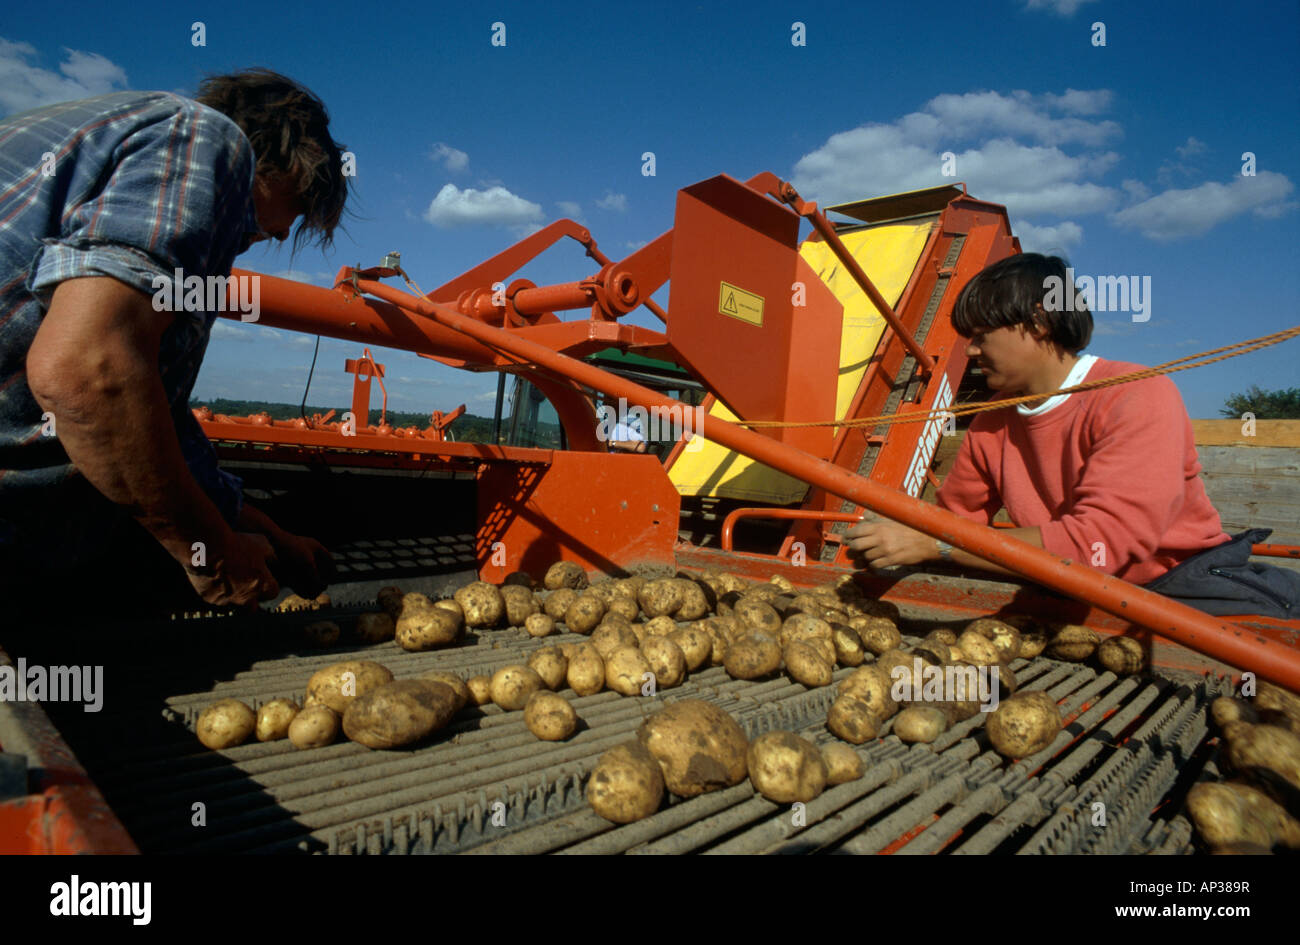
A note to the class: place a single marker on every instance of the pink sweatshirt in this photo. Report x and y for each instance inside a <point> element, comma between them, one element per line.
<point>1111,476</point>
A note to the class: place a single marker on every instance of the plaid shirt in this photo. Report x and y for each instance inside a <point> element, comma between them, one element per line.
<point>132,185</point>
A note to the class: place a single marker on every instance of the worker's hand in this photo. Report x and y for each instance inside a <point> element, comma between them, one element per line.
<point>302,563</point>
<point>238,574</point>
<point>879,542</point>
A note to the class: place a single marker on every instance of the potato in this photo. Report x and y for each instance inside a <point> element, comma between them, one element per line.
<point>943,635</point>
<point>1033,637</point>
<point>782,584</point>
<point>610,636</point>
<point>843,764</point>
<point>901,670</point>
<point>619,620</point>
<point>753,656</point>
<point>933,652</point>
<point>758,615</point>
<point>480,689</point>
<point>978,649</point>
<point>878,634</point>
<point>557,603</point>
<point>399,713</point>
<point>519,602</point>
<point>550,663</point>
<point>322,633</point>
<point>337,685</point>
<point>626,785</point>
<point>482,603</point>
<point>565,574</point>
<point>550,717</point>
<point>920,723</point>
<point>627,670</point>
<point>785,768</point>
<point>696,645</point>
<point>800,625</point>
<point>294,603</point>
<point>314,727</point>
<point>807,603</point>
<point>848,645</point>
<point>660,598</point>
<point>1226,709</point>
<point>512,685</point>
<point>1123,656</point>
<point>426,626</point>
<point>390,601</point>
<point>695,602</point>
<point>718,654</point>
<point>1003,635</point>
<point>805,665</point>
<point>1231,812</point>
<point>584,614</point>
<point>453,606</point>
<point>1072,642</point>
<point>853,720</point>
<point>623,605</point>
<point>225,724</point>
<point>274,718</point>
<point>631,586</point>
<point>518,579</point>
<point>1024,724</point>
<point>1269,697</point>
<point>586,672</point>
<point>873,686</point>
<point>375,628</point>
<point>666,660</point>
<point>457,685</point>
<point>1267,747</point>
<point>660,627</point>
<point>539,625</point>
<point>699,747</point>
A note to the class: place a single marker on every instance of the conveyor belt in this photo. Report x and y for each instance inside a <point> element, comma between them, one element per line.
<point>485,784</point>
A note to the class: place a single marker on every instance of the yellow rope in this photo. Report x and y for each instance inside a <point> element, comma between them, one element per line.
<point>1169,367</point>
<point>1181,364</point>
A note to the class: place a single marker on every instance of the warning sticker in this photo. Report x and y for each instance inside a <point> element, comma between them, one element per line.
<point>737,303</point>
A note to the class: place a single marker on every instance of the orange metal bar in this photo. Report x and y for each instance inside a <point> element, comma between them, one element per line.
<point>1224,641</point>
<point>729,523</point>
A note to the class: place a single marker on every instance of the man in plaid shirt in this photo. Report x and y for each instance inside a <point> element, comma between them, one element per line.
<point>99,452</point>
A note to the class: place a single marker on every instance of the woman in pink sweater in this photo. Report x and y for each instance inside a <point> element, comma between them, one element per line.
<point>1108,477</point>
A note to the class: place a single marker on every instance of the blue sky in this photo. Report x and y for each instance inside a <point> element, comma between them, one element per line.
<point>1126,158</point>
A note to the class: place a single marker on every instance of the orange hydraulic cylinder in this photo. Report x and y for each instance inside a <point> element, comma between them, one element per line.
<point>1230,643</point>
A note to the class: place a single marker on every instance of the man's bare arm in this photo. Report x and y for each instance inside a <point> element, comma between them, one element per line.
<point>94,365</point>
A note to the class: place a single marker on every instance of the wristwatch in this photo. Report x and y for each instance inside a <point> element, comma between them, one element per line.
<point>945,549</point>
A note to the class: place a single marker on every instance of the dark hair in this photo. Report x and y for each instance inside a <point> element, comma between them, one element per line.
<point>1009,292</point>
<point>288,127</point>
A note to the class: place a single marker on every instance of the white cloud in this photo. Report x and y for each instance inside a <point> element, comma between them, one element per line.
<point>24,85</point>
<point>1059,7</point>
<point>613,201</point>
<point>1192,147</point>
<point>494,206</point>
<point>453,159</point>
<point>634,245</point>
<point>1053,240</point>
<point>1190,212</point>
<point>569,208</point>
<point>1033,178</point>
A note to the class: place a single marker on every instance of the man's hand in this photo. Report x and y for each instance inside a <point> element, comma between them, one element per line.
<point>883,543</point>
<point>302,563</point>
<point>238,574</point>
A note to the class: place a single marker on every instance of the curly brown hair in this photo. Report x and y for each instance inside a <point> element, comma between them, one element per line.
<point>288,127</point>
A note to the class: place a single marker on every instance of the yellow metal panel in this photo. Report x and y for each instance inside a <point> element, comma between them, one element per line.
<point>889,255</point>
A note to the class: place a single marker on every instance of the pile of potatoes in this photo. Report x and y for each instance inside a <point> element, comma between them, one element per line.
<point>1022,724</point>
<point>1254,811</point>
<point>693,747</point>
